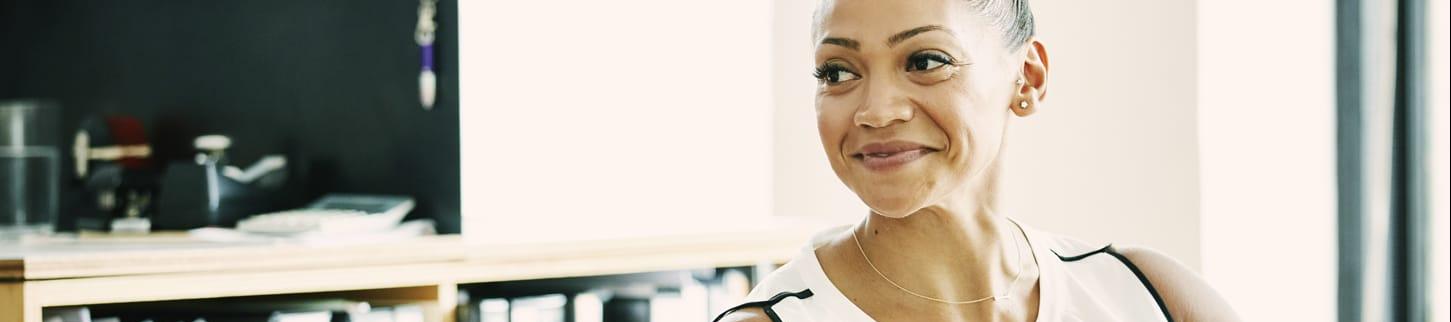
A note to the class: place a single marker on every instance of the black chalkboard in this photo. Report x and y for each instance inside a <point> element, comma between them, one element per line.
<point>333,84</point>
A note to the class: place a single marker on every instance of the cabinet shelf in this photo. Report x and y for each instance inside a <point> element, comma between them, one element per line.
<point>33,277</point>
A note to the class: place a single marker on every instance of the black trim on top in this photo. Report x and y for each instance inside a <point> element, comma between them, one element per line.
<point>766,305</point>
<point>1108,249</point>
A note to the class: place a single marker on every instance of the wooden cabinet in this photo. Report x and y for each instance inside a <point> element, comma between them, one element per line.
<point>91,271</point>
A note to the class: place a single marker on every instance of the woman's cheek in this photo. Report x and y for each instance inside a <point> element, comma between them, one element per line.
<point>985,133</point>
<point>943,107</point>
<point>832,122</point>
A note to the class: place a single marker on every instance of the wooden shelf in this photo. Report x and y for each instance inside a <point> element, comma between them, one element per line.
<point>54,274</point>
<point>627,256</point>
<point>160,287</point>
<point>92,257</point>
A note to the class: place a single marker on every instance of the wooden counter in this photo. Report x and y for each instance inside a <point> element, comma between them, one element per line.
<point>85,271</point>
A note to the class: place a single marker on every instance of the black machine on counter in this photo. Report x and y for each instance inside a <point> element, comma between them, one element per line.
<point>128,188</point>
<point>207,192</point>
<point>113,163</point>
<point>126,191</point>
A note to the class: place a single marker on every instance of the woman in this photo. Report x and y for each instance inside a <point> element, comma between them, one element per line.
<point>913,101</point>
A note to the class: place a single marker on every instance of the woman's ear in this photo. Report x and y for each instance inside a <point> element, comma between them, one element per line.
<point>1032,85</point>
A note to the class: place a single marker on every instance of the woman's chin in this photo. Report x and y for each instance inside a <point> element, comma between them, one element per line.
<point>892,214</point>
<point>895,210</point>
<point>891,199</point>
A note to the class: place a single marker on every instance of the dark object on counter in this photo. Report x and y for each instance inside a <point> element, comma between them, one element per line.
<point>197,193</point>
<point>110,141</point>
<point>113,163</point>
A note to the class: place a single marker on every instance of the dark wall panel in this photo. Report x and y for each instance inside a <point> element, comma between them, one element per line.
<point>333,84</point>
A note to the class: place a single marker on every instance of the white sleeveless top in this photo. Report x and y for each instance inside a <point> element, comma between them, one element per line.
<point>1077,282</point>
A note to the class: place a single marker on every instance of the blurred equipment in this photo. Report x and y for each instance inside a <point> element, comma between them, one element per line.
<point>113,161</point>
<point>117,140</point>
<point>273,310</point>
<point>29,174</point>
<point>206,192</point>
<point>67,314</point>
<point>272,164</point>
<point>334,213</point>
<point>494,310</point>
<point>539,308</point>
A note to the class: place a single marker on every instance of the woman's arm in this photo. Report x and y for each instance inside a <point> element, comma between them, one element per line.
<point>1188,297</point>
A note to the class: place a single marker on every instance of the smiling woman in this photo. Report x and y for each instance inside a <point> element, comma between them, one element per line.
<point>913,103</point>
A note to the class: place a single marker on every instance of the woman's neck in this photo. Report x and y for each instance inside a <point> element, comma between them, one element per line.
<point>958,250</point>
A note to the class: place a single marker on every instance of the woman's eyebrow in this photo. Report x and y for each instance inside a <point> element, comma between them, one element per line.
<point>902,36</point>
<point>844,42</point>
<point>891,42</point>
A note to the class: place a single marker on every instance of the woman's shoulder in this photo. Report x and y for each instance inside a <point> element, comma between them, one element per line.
<point>796,274</point>
<point>1136,274</point>
<point>1059,244</point>
<point>786,278</point>
<point>789,292</point>
<point>1183,292</point>
<point>780,293</point>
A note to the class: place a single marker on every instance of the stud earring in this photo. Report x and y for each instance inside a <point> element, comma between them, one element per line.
<point>1023,104</point>
<point>1019,81</point>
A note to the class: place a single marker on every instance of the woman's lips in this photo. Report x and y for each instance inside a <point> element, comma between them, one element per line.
<point>890,155</point>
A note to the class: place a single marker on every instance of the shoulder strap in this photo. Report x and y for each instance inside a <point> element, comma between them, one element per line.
<point>1132,268</point>
<point>766,305</point>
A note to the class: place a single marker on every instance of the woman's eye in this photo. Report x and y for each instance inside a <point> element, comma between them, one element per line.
<point>832,74</point>
<point>926,61</point>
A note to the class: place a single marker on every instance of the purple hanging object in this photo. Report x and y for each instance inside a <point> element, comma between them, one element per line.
<point>427,56</point>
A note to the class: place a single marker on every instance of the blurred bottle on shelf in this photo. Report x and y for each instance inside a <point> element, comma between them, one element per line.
<point>29,168</point>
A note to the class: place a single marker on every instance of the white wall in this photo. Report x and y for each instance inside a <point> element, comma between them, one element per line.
<point>1440,139</point>
<point>588,119</point>
<point>803,182</point>
<point>1267,156</point>
<point>728,83</point>
<point>1112,154</point>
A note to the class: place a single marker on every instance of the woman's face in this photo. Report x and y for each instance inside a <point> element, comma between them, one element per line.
<point>913,98</point>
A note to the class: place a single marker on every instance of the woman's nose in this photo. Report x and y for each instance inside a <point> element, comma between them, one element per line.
<point>885,104</point>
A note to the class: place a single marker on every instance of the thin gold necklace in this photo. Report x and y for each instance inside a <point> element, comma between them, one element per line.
<point>1007,294</point>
